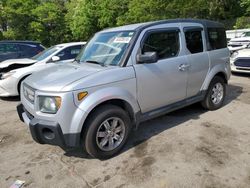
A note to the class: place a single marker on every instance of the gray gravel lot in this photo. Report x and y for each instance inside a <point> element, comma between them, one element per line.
<point>187,148</point>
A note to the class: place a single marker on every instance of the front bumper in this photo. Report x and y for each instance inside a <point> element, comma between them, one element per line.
<point>239,69</point>
<point>47,132</point>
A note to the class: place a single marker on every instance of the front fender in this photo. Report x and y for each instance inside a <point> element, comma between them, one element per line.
<point>99,96</point>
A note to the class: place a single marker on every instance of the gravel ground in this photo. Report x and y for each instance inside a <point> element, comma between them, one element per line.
<point>187,148</point>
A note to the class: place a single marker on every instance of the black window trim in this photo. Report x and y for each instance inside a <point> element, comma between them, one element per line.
<point>160,30</point>
<point>192,28</point>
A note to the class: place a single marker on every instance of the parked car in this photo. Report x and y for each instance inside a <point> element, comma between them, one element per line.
<point>240,61</point>
<point>19,49</point>
<point>125,76</point>
<point>12,74</point>
<point>240,42</point>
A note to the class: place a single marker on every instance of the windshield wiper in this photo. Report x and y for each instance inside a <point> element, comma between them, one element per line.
<point>76,61</point>
<point>95,62</point>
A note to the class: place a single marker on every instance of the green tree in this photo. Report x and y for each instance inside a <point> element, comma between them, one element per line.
<point>109,11</point>
<point>18,17</point>
<point>49,25</point>
<point>3,16</point>
<point>82,18</point>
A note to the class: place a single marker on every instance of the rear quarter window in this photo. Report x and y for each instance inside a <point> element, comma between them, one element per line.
<point>217,38</point>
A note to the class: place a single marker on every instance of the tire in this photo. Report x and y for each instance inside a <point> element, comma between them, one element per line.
<point>100,146</point>
<point>213,103</point>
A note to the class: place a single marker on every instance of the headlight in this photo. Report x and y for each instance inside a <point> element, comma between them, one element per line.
<point>7,75</point>
<point>234,55</point>
<point>49,104</point>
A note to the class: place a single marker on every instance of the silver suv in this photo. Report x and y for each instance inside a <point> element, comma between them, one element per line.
<point>124,76</point>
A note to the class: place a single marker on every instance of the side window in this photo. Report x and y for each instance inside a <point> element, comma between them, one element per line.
<point>165,43</point>
<point>69,53</point>
<point>27,50</point>
<point>7,48</point>
<point>11,48</point>
<point>217,38</point>
<point>194,41</point>
<point>2,48</point>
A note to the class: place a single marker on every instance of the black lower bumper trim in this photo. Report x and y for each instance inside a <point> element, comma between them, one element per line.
<point>20,111</point>
<point>49,132</point>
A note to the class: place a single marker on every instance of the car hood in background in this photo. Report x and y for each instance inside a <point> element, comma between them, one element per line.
<point>9,62</point>
<point>12,64</point>
<point>57,77</point>
<point>244,53</point>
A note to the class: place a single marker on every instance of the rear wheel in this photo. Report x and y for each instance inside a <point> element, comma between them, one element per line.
<point>215,95</point>
<point>107,131</point>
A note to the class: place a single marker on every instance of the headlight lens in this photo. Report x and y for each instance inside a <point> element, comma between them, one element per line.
<point>49,104</point>
<point>234,55</point>
<point>7,75</point>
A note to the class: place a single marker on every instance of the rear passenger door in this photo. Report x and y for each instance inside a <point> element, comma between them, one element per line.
<point>164,82</point>
<point>198,58</point>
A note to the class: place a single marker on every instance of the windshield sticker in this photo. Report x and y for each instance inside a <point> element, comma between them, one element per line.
<point>122,39</point>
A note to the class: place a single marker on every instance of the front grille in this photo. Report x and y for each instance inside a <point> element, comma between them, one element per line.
<point>242,63</point>
<point>29,93</point>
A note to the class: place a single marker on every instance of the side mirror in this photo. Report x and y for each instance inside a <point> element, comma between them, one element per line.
<point>55,58</point>
<point>147,57</point>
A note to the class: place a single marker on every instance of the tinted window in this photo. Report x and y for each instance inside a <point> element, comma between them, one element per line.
<point>69,53</point>
<point>28,50</point>
<point>2,48</point>
<point>165,43</point>
<point>5,48</point>
<point>194,41</point>
<point>217,38</point>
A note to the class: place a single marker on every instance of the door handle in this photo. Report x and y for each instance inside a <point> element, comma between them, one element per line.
<point>183,67</point>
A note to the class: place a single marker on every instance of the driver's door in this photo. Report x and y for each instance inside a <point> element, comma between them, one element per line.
<point>164,82</point>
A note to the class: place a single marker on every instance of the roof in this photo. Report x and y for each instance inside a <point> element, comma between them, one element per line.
<point>20,41</point>
<point>71,44</point>
<point>139,26</point>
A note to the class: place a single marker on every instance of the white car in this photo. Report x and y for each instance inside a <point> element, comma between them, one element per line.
<point>239,43</point>
<point>240,61</point>
<point>11,73</point>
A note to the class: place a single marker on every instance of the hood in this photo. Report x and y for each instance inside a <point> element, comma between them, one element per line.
<point>56,77</point>
<point>9,62</point>
<point>244,53</point>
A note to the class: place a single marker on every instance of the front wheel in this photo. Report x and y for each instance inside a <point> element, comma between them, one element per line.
<point>107,131</point>
<point>215,95</point>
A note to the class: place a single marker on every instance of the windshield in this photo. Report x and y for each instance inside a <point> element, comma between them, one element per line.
<point>106,48</point>
<point>44,54</point>
<point>246,34</point>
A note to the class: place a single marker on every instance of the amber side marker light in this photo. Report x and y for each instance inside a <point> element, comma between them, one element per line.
<point>81,95</point>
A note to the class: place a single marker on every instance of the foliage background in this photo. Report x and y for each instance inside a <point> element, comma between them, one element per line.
<point>57,21</point>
